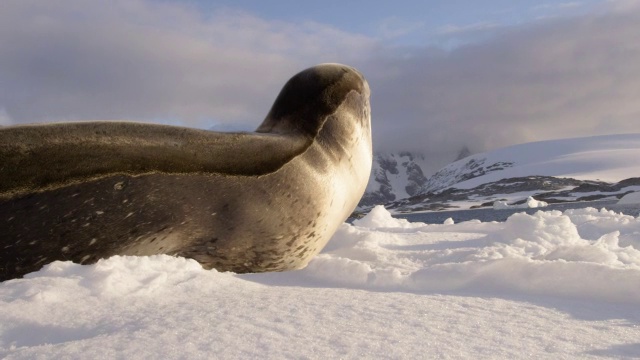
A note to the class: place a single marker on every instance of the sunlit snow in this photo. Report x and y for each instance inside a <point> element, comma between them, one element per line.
<point>551,285</point>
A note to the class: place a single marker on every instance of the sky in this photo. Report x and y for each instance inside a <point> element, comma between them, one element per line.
<point>444,74</point>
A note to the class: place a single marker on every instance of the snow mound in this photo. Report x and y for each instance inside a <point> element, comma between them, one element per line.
<point>582,253</point>
<point>461,286</point>
<point>121,276</point>
<point>379,217</point>
<point>630,199</point>
<point>579,254</point>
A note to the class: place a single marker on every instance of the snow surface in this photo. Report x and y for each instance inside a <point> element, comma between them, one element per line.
<point>549,285</point>
<point>399,180</point>
<point>609,158</point>
<point>630,199</point>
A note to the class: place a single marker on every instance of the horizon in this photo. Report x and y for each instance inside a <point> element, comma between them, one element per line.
<point>443,75</point>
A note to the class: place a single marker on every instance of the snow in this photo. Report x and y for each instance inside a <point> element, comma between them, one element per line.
<point>399,179</point>
<point>630,199</point>
<point>548,285</point>
<point>530,203</point>
<point>608,158</point>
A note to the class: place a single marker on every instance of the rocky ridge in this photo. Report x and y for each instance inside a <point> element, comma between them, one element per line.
<point>515,191</point>
<point>394,176</point>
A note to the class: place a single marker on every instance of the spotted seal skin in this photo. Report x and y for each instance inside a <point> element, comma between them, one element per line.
<point>243,202</point>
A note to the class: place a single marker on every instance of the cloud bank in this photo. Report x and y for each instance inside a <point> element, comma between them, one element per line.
<point>135,59</point>
<point>158,61</point>
<point>570,77</point>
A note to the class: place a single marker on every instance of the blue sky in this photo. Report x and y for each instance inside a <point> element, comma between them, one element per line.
<point>443,74</point>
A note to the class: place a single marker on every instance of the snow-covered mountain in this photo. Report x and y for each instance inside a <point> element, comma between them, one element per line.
<point>556,170</point>
<point>394,176</point>
<point>608,158</point>
<point>399,175</point>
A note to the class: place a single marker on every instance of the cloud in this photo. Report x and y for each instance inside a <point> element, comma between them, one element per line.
<point>623,5</point>
<point>135,59</point>
<point>551,79</point>
<point>144,60</point>
<point>559,6</point>
<point>393,27</point>
<point>457,29</point>
<point>5,119</point>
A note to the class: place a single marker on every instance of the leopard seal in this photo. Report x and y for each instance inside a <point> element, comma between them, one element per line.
<point>258,201</point>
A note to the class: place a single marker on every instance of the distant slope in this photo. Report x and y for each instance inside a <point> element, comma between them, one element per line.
<point>608,158</point>
<point>394,176</point>
<point>399,175</point>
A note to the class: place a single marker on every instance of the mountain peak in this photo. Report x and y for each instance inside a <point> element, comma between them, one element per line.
<point>394,176</point>
<point>608,158</point>
<point>463,153</point>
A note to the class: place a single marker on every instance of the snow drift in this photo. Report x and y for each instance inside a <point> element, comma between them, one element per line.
<point>551,284</point>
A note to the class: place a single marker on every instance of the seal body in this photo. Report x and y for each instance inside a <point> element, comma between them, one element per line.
<point>242,202</point>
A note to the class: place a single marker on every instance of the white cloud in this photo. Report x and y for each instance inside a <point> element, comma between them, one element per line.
<point>564,78</point>
<point>139,59</point>
<point>623,5</point>
<point>136,59</point>
<point>559,6</point>
<point>393,27</point>
<point>5,119</point>
<point>459,29</point>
